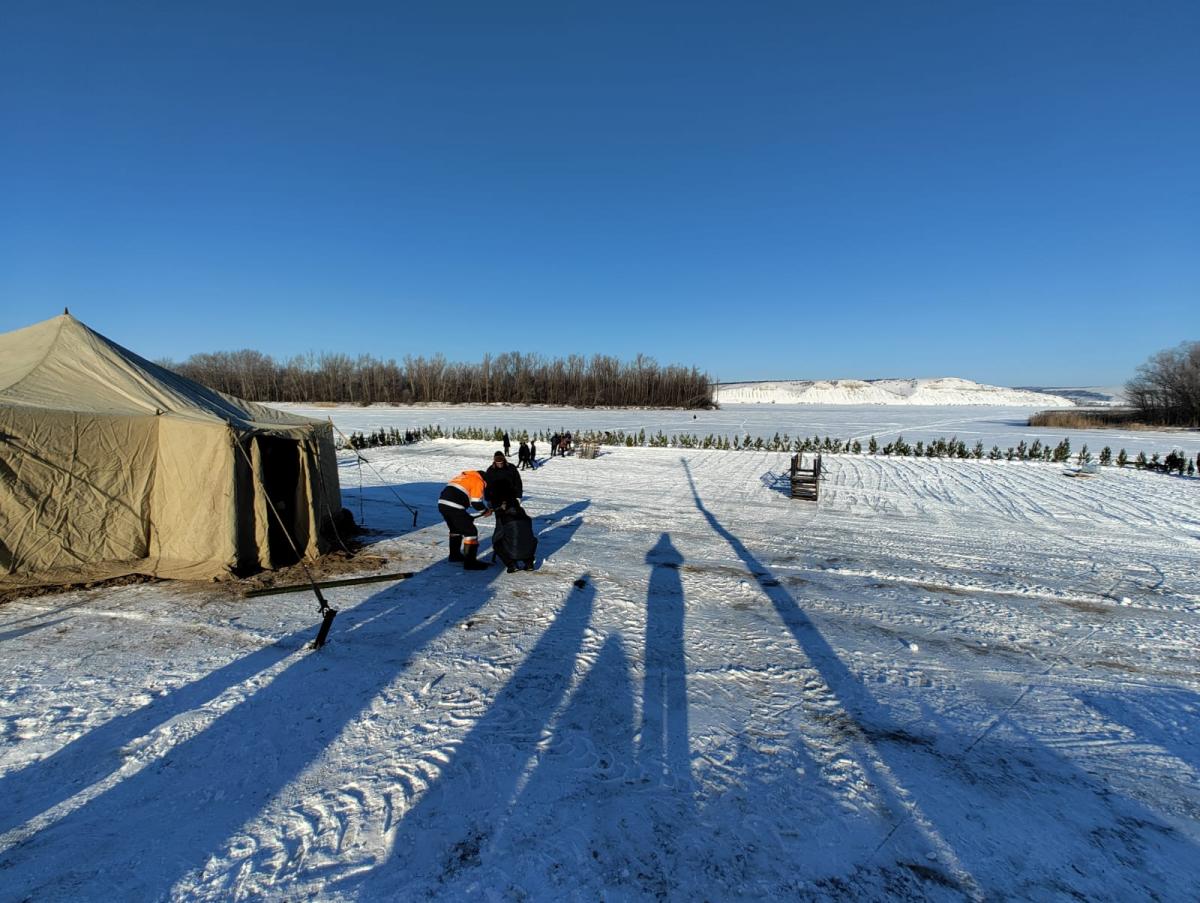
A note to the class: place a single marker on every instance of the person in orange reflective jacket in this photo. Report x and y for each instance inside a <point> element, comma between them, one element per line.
<point>463,500</point>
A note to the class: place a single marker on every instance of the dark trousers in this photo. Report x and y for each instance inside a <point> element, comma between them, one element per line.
<point>460,523</point>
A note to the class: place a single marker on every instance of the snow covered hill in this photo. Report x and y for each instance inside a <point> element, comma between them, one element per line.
<point>947,390</point>
<point>1087,396</point>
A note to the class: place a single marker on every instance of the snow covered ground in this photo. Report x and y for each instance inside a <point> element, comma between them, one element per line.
<point>942,392</point>
<point>992,425</point>
<point>947,680</point>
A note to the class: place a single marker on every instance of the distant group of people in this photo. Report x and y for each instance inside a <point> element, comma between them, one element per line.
<point>526,453</point>
<point>481,493</point>
<point>561,443</point>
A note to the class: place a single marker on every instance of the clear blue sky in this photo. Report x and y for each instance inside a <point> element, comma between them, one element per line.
<point>1008,192</point>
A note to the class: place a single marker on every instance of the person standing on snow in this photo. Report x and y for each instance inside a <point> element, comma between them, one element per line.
<point>506,444</point>
<point>533,455</point>
<point>554,443</point>
<point>523,455</point>
<point>465,494</point>
<point>503,483</point>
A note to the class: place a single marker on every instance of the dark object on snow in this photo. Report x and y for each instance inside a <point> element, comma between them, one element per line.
<point>514,540</point>
<point>806,484</point>
<point>325,584</point>
<point>342,524</point>
<point>581,583</point>
<point>327,616</point>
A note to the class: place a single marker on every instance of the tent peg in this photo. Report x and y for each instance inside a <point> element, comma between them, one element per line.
<point>327,616</point>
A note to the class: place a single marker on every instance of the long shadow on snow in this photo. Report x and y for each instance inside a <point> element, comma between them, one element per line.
<point>1015,800</point>
<point>1164,717</point>
<point>22,631</point>
<point>663,747</point>
<point>451,826</point>
<point>598,812</point>
<point>383,515</point>
<point>189,801</point>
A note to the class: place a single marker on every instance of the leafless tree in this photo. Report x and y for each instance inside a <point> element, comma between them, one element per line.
<point>513,377</point>
<point>1166,389</point>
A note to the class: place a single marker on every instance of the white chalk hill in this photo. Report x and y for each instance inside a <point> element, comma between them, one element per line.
<point>943,391</point>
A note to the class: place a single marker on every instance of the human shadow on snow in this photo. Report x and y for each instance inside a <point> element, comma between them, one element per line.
<point>607,799</point>
<point>958,805</point>
<point>190,800</point>
<point>455,820</point>
<point>663,738</point>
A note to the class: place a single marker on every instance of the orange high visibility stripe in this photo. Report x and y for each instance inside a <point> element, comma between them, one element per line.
<point>470,482</point>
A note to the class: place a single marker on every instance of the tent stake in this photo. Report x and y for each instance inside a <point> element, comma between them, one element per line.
<point>327,616</point>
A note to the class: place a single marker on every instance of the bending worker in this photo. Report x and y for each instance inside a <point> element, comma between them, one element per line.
<point>463,500</point>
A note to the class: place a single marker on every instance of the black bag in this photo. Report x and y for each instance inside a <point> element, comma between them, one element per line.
<point>514,539</point>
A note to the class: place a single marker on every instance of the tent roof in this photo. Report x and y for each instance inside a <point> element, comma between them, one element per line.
<point>60,364</point>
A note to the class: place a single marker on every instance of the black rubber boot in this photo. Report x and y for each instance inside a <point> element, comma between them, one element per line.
<point>471,560</point>
<point>456,548</point>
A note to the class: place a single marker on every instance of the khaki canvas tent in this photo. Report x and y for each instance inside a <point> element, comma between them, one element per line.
<point>110,465</point>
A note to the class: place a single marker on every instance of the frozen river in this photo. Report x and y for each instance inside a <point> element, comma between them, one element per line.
<point>991,425</point>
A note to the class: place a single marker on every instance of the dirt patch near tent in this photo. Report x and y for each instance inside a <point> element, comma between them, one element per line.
<point>54,589</point>
<point>331,566</point>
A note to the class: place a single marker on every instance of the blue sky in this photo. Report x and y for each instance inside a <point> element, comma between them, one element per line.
<point>1008,192</point>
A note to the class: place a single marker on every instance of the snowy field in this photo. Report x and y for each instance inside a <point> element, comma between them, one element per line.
<point>947,680</point>
<point>992,425</point>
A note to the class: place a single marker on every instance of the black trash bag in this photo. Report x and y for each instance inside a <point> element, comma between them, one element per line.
<point>514,540</point>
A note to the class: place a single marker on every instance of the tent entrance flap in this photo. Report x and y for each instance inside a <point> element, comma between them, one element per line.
<point>281,484</point>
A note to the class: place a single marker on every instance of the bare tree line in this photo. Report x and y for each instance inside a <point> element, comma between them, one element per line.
<point>1166,389</point>
<point>511,377</point>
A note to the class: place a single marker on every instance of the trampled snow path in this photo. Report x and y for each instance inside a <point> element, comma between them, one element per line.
<point>948,680</point>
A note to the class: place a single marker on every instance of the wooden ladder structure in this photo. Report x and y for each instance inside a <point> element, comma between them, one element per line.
<point>806,484</point>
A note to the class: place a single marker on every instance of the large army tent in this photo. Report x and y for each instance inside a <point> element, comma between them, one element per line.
<point>110,465</point>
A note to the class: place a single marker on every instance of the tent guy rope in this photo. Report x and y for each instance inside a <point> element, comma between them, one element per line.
<point>323,608</point>
<point>361,461</point>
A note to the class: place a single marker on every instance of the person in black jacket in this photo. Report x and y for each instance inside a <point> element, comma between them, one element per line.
<point>513,540</point>
<point>507,444</point>
<point>523,455</point>
<point>503,483</point>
